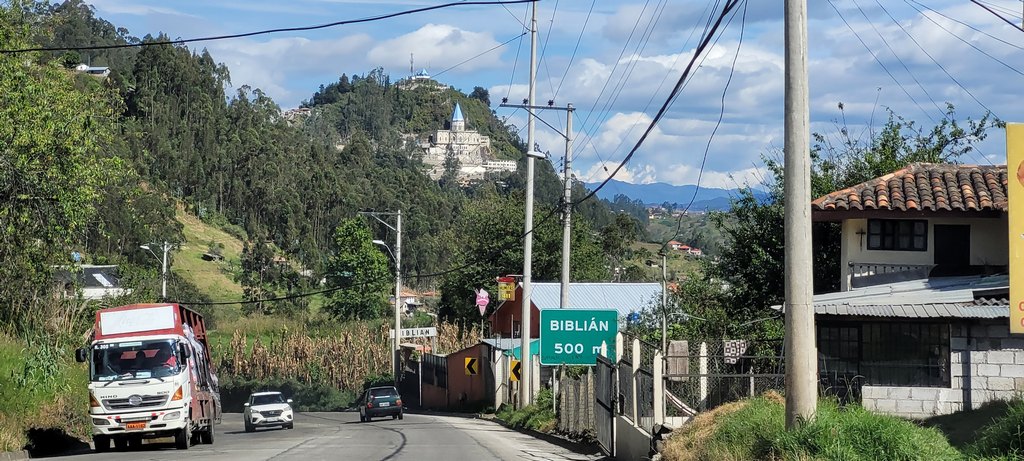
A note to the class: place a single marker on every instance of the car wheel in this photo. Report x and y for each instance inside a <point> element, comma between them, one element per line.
<point>290,426</point>
<point>400,415</point>
<point>248,427</point>
<point>394,417</point>
<point>183,439</point>
<point>101,443</point>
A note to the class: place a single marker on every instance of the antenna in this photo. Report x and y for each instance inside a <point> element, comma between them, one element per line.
<point>412,69</point>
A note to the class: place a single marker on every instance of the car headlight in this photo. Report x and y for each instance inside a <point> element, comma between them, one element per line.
<point>172,415</point>
<point>100,422</point>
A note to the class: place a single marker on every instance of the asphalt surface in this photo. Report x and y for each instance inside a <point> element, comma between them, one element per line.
<point>340,436</point>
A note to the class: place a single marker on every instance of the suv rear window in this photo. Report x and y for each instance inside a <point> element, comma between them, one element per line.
<point>383,392</point>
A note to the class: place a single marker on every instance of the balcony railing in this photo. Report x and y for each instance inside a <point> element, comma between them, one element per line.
<point>867,274</point>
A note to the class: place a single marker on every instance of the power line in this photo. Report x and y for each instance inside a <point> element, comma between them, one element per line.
<point>506,42</point>
<point>976,2</point>
<point>575,49</point>
<point>271,31</point>
<point>879,61</point>
<point>668,102</point>
<point>982,32</point>
<point>968,43</point>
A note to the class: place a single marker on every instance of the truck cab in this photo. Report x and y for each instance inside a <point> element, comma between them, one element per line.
<point>150,376</point>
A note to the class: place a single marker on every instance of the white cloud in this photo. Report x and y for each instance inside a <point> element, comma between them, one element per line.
<point>439,46</point>
<point>602,170</point>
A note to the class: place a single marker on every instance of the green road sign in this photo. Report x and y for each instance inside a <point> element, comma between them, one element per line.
<point>574,336</point>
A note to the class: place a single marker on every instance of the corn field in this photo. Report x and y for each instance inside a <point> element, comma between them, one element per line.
<point>343,360</point>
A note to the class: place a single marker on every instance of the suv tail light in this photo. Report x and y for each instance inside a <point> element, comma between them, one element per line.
<point>369,404</point>
<point>398,402</point>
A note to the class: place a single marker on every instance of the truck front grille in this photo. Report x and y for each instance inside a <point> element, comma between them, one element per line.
<point>126,403</point>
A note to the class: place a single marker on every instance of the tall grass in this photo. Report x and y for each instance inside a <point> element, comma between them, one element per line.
<point>40,388</point>
<point>342,356</point>
<point>755,430</point>
<point>1004,438</point>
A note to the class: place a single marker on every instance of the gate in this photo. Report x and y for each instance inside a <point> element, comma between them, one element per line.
<point>409,383</point>
<point>604,411</point>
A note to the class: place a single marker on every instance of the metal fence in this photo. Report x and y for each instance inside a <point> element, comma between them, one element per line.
<point>645,399</point>
<point>702,376</point>
<point>576,403</point>
<point>625,388</point>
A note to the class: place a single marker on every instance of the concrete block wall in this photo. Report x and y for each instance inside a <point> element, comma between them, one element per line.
<point>985,364</point>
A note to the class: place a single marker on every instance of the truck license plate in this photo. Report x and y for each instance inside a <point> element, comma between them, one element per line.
<point>135,426</point>
<point>385,404</point>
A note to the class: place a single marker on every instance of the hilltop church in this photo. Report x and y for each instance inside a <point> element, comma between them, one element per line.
<point>469,147</point>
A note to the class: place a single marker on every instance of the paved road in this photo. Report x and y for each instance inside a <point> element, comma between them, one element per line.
<point>340,436</point>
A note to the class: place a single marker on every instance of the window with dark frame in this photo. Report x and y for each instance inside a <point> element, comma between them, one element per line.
<point>898,234</point>
<point>887,353</point>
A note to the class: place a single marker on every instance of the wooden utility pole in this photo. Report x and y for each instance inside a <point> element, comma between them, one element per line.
<point>801,353</point>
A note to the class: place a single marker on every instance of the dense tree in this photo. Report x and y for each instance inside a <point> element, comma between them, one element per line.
<point>359,266</point>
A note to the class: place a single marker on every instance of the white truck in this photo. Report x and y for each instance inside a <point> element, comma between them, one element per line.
<point>150,376</point>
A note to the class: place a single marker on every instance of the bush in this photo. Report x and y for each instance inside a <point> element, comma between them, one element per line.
<point>1004,437</point>
<point>539,416</point>
<point>755,430</point>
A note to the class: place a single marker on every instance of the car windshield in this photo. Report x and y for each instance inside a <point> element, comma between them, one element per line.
<point>383,392</point>
<point>134,360</point>
<point>267,399</point>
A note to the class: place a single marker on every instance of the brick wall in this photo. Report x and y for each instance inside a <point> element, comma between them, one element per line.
<point>986,363</point>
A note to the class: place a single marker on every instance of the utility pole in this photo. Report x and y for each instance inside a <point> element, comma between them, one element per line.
<point>567,189</point>
<point>801,353</point>
<point>664,303</point>
<point>166,247</point>
<point>526,384</point>
<point>397,256</point>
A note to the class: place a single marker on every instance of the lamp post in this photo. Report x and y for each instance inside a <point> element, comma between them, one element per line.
<point>163,269</point>
<point>397,256</point>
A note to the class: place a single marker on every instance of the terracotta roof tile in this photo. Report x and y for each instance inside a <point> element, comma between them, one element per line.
<point>925,187</point>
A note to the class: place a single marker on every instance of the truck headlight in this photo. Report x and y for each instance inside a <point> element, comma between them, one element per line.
<point>172,415</point>
<point>100,422</point>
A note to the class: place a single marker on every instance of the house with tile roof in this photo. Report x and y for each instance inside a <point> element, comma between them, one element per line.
<point>920,326</point>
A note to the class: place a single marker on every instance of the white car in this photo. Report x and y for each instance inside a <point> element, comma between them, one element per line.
<point>268,409</point>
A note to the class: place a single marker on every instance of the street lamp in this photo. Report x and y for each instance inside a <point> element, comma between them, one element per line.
<point>397,257</point>
<point>163,270</point>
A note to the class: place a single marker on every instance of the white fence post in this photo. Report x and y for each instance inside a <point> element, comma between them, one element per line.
<point>703,375</point>
<point>619,344</point>
<point>637,360</point>
<point>659,388</point>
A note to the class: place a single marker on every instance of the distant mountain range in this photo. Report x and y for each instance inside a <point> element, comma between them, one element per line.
<point>659,192</point>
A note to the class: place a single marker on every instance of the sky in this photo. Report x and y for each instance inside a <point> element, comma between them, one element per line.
<point>616,62</point>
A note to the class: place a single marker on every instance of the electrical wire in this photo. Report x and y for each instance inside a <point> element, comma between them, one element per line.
<point>982,32</point>
<point>506,42</point>
<point>272,31</point>
<point>1000,16</point>
<point>575,49</point>
<point>879,61</point>
<point>729,6</point>
<point>966,42</point>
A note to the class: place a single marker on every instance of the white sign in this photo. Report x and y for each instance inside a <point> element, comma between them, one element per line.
<point>425,332</point>
<point>137,320</point>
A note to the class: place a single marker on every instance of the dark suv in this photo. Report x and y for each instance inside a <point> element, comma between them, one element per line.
<point>380,401</point>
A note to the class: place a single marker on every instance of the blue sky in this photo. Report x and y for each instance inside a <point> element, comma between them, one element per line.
<point>916,55</point>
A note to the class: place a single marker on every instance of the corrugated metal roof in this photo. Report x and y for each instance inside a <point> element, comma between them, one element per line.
<point>936,310</point>
<point>623,297</point>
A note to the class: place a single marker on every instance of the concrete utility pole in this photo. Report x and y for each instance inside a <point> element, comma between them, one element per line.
<point>567,189</point>
<point>801,353</point>
<point>664,302</point>
<point>397,256</point>
<point>166,247</point>
<point>526,383</point>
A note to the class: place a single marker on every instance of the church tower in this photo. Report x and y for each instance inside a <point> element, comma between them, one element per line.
<point>458,121</point>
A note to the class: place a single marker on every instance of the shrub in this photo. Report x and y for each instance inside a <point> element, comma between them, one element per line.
<point>755,430</point>
<point>234,392</point>
<point>1004,437</point>
<point>539,416</point>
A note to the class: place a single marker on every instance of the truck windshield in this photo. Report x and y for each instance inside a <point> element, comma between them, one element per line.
<point>135,360</point>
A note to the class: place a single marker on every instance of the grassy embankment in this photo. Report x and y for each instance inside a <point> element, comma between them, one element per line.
<point>538,416</point>
<point>754,430</point>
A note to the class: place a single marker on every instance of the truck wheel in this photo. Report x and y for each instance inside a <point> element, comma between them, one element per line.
<point>101,443</point>
<point>183,437</point>
<point>206,437</point>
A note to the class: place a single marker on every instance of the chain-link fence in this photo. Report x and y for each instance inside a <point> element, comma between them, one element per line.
<point>703,375</point>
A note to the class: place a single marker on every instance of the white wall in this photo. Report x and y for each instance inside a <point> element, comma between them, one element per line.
<point>989,245</point>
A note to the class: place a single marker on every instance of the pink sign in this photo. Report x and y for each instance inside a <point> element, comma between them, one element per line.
<point>482,298</point>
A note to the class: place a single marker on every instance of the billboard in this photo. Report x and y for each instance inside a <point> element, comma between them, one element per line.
<point>1015,192</point>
